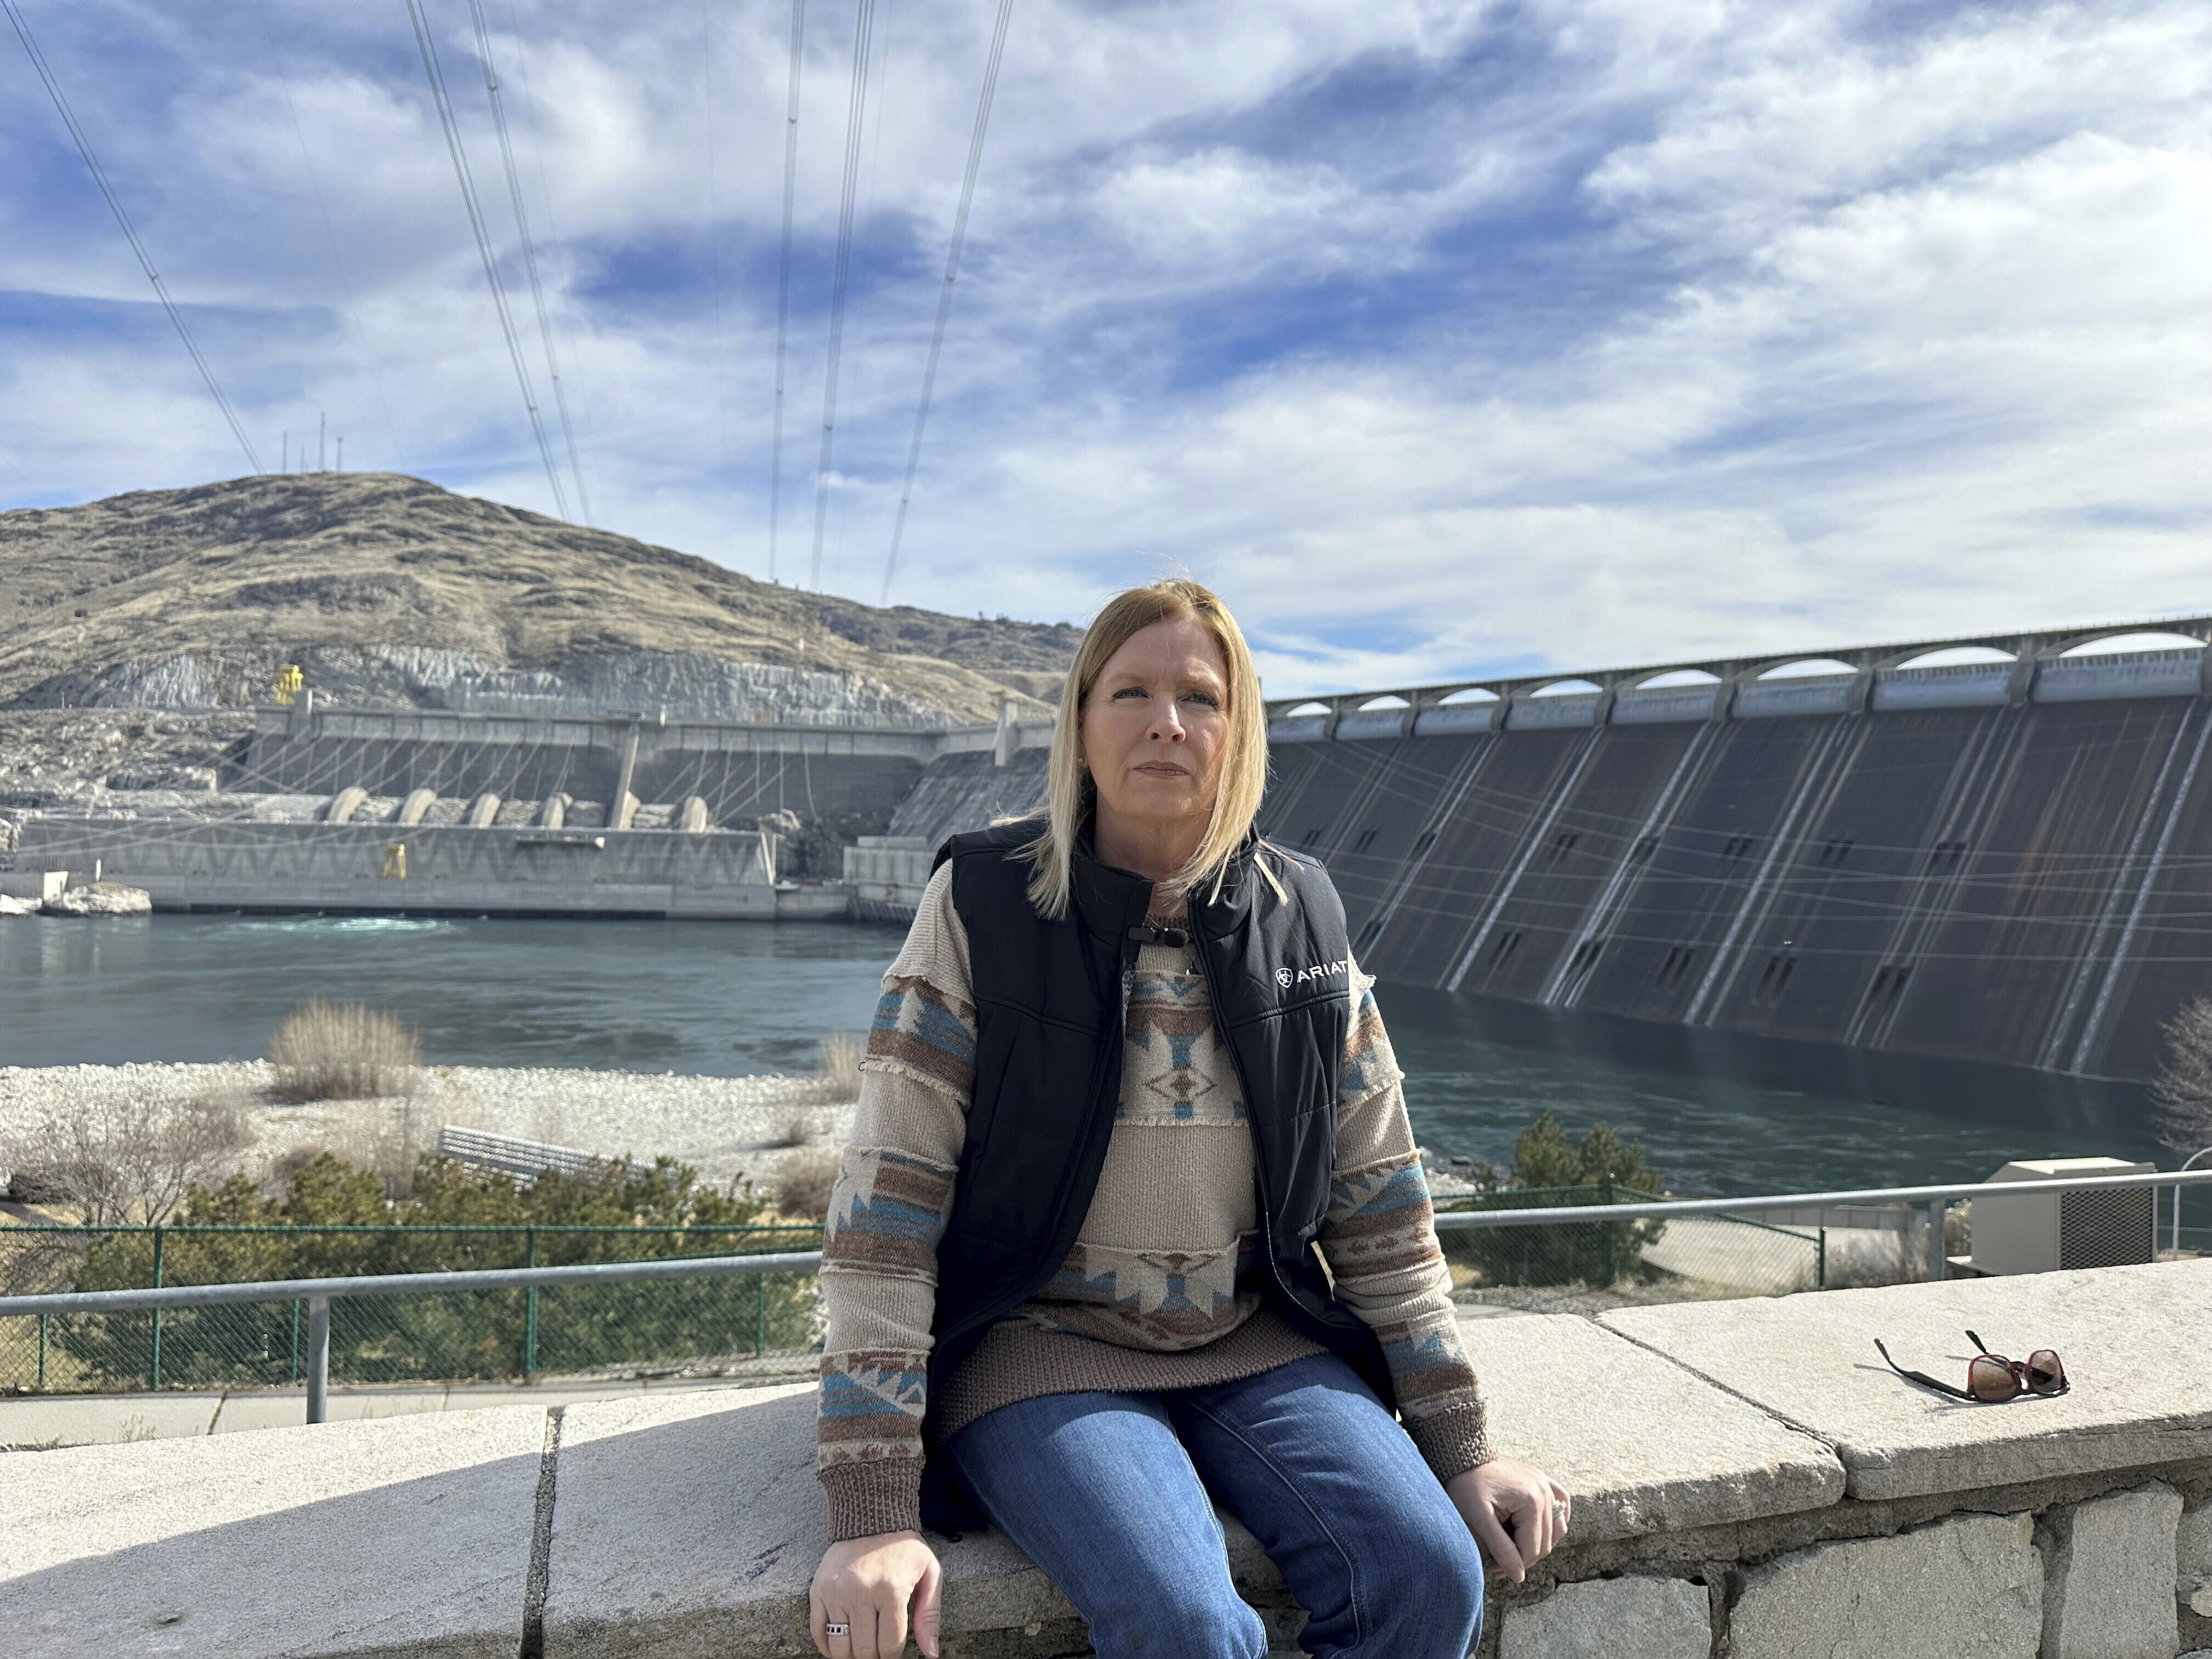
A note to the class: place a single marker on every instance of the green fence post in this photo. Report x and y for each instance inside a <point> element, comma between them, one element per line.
<point>1821,1262</point>
<point>760,1313</point>
<point>1605,1196</point>
<point>154,1370</point>
<point>295,1341</point>
<point>529,1310</point>
<point>42,1352</point>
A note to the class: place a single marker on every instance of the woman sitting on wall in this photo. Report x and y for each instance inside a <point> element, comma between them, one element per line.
<point>1132,1219</point>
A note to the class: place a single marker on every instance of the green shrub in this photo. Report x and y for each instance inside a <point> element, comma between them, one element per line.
<point>645,1213</point>
<point>1549,1170</point>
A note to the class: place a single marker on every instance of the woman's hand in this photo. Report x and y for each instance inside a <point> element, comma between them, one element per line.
<point>1517,1513</point>
<point>864,1584</point>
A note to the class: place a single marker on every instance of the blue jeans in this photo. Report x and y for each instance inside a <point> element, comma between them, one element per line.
<point>1108,1494</point>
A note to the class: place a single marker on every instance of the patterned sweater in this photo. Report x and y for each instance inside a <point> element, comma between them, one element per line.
<point>1161,1289</point>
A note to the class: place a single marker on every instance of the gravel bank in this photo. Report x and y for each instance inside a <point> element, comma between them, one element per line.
<point>727,1127</point>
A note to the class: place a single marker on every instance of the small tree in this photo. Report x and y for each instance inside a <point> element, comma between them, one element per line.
<point>1554,1169</point>
<point>2183,1087</point>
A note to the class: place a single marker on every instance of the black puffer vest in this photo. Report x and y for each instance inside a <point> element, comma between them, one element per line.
<point>1050,998</point>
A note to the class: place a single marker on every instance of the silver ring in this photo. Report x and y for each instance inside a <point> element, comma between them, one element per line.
<point>836,1630</point>
<point>1560,1511</point>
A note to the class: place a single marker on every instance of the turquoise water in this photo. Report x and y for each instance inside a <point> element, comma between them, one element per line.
<point>1717,1114</point>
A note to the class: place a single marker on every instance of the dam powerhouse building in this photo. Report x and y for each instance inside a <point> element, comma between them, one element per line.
<point>2005,860</point>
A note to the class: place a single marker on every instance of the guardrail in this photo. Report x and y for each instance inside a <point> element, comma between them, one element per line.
<point>1938,1200</point>
<point>1614,1246</point>
<point>317,1293</point>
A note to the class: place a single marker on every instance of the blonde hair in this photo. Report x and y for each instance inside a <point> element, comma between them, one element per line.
<point>1070,795</point>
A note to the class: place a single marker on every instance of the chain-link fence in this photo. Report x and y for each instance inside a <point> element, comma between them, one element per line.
<point>695,1324</point>
<point>1566,1264</point>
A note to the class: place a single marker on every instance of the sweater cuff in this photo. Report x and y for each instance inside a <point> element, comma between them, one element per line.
<point>1455,1440</point>
<point>883,1495</point>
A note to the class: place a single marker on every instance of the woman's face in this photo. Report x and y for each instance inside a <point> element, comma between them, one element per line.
<point>1156,728</point>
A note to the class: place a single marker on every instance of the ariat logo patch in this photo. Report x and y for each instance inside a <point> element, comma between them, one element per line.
<point>1286,977</point>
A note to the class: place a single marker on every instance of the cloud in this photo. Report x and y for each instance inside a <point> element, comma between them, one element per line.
<point>1445,338</point>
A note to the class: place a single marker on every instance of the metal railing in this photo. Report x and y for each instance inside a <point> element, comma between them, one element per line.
<point>318,1294</point>
<point>1935,1200</point>
<point>487,1320</point>
<point>455,1333</point>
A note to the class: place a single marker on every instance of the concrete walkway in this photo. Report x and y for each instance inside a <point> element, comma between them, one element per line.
<point>106,1419</point>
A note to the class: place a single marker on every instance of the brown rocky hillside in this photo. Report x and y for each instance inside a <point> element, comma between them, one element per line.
<point>386,588</point>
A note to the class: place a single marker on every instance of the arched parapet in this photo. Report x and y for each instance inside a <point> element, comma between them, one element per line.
<point>416,806</point>
<point>1673,694</point>
<point>343,804</point>
<point>1386,715</point>
<point>1311,719</point>
<point>2123,662</point>
<point>553,814</point>
<point>692,817</point>
<point>1826,685</point>
<point>1560,701</point>
<point>483,811</point>
<point>1448,710</point>
<point>1986,673</point>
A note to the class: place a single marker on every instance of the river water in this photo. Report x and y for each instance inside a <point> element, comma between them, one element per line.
<point>1717,1114</point>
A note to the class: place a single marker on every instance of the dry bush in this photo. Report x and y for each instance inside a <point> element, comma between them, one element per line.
<point>797,1129</point>
<point>803,1184</point>
<point>837,1067</point>
<point>385,1139</point>
<point>132,1157</point>
<point>343,1051</point>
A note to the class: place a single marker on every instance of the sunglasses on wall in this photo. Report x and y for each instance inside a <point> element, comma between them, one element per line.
<point>1991,1378</point>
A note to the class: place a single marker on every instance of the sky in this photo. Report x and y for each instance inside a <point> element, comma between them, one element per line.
<point>1444,340</point>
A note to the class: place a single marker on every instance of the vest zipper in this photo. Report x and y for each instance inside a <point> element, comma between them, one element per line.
<point>1252,1115</point>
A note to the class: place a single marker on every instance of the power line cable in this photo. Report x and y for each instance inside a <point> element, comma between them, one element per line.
<point>951,274</point>
<point>529,252</point>
<point>577,355</point>
<point>864,23</point>
<point>714,239</point>
<point>330,235</point>
<point>443,100</point>
<point>130,232</point>
<point>783,275</point>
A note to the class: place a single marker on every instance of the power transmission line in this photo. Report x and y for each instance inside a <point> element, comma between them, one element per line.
<point>714,240</point>
<point>951,273</point>
<point>864,23</point>
<point>545,197</point>
<point>130,232</point>
<point>529,252</point>
<point>443,100</point>
<point>337,260</point>
<point>783,275</point>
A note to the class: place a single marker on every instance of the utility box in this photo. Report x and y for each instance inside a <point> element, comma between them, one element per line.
<point>2041,1233</point>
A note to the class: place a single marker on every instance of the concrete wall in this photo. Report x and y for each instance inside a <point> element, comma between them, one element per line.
<point>442,867</point>
<point>740,771</point>
<point>1747,1481</point>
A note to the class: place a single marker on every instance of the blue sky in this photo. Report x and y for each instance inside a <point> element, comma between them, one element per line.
<point>1444,339</point>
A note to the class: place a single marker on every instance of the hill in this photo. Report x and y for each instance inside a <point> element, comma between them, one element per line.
<point>387,589</point>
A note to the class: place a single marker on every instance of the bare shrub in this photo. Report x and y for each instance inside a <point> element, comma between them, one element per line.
<point>803,1184</point>
<point>386,1139</point>
<point>2183,1087</point>
<point>343,1051</point>
<point>133,1158</point>
<point>797,1129</point>
<point>837,1066</point>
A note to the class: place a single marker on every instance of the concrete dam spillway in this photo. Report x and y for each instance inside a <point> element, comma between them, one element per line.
<point>1995,861</point>
<point>2005,861</point>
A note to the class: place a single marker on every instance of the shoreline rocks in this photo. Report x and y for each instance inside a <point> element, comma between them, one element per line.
<point>101,898</point>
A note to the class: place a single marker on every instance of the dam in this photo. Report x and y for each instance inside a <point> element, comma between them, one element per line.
<point>2001,858</point>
